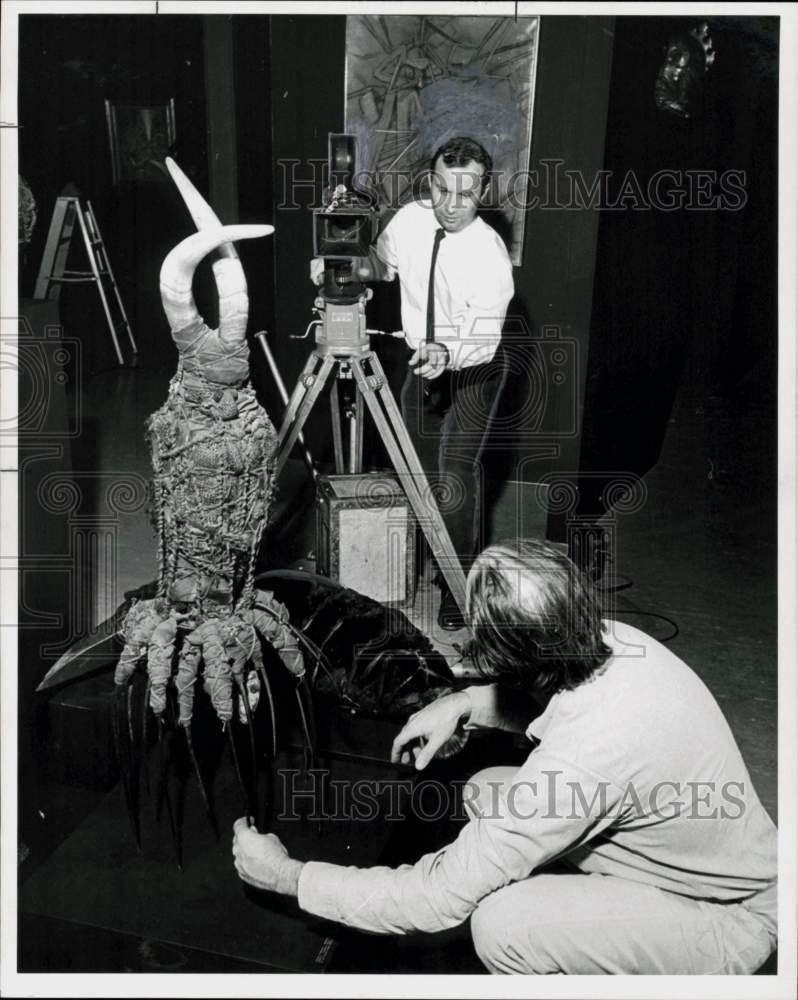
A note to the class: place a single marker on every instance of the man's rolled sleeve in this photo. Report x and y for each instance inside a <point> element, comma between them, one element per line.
<point>484,707</point>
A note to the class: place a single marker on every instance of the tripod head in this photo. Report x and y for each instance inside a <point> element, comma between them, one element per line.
<point>343,230</point>
<point>341,285</point>
<point>341,306</point>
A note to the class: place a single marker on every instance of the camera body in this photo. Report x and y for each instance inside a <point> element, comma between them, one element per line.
<point>343,231</point>
<point>345,226</point>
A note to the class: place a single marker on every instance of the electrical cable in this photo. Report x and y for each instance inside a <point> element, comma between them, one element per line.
<point>650,614</point>
<point>624,584</point>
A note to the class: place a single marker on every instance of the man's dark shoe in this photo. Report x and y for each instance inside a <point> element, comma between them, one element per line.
<point>450,617</point>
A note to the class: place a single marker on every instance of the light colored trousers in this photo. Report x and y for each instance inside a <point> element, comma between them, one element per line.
<point>589,924</point>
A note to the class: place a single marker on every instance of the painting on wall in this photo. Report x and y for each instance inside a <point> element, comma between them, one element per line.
<point>414,81</point>
<point>140,137</point>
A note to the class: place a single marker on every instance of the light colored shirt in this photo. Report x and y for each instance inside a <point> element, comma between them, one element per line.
<point>636,774</point>
<point>473,282</point>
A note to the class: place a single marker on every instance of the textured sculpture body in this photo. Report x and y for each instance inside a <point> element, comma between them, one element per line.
<point>212,447</point>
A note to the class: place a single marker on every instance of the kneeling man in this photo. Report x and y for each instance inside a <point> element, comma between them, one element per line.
<point>631,841</point>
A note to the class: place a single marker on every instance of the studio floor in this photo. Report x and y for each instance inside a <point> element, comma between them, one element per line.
<point>694,566</point>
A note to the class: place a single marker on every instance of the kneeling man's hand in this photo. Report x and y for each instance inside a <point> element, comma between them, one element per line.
<point>262,861</point>
<point>430,729</point>
<point>430,360</point>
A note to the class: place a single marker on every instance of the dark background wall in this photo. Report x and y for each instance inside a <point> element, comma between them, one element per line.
<point>307,78</point>
<point>69,66</point>
<point>691,290</point>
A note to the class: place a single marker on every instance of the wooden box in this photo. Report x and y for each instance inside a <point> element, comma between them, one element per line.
<point>365,535</point>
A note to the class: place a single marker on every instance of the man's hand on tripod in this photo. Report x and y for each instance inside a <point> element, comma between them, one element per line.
<point>430,360</point>
<point>317,270</point>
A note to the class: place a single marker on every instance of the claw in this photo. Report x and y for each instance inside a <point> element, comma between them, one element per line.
<point>256,658</point>
<point>200,782</point>
<point>369,667</point>
<point>302,691</point>
<point>129,709</point>
<point>244,696</point>
<point>144,748</point>
<point>134,756</point>
<point>163,737</point>
<point>308,621</point>
<point>332,632</point>
<point>244,791</point>
<point>125,764</point>
<point>270,698</point>
<point>239,646</point>
<point>310,752</point>
<point>311,718</point>
<point>322,660</point>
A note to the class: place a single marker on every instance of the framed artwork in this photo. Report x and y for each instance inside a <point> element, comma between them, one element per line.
<point>414,81</point>
<point>140,136</point>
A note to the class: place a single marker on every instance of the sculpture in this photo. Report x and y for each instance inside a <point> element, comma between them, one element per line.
<point>212,447</point>
<point>208,622</point>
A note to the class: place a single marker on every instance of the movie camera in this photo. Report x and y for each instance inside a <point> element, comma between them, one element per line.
<point>343,230</point>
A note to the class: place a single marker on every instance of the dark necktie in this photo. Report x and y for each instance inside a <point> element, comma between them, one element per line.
<point>439,234</point>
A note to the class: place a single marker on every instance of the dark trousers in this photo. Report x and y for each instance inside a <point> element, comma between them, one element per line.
<point>449,420</point>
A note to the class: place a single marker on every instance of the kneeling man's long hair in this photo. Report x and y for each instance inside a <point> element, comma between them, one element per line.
<point>535,617</point>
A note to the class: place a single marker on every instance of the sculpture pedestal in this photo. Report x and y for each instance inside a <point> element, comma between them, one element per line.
<point>97,904</point>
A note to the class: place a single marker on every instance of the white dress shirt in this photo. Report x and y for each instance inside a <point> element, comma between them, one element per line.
<point>473,282</point>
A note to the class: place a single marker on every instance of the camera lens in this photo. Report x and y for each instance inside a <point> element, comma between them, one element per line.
<point>345,229</point>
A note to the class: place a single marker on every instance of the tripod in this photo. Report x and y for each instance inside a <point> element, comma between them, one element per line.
<point>343,351</point>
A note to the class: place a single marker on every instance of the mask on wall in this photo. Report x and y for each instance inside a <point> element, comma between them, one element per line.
<point>688,56</point>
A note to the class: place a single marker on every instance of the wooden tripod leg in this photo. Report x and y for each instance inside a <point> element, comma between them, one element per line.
<point>382,406</point>
<point>298,394</point>
<point>356,455</point>
<point>335,418</point>
<point>305,394</point>
<point>278,381</point>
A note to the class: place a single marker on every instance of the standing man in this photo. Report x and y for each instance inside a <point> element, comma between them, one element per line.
<point>630,841</point>
<point>456,283</point>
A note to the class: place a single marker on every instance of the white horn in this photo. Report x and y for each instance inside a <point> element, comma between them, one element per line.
<point>201,212</point>
<point>231,283</point>
<point>177,273</point>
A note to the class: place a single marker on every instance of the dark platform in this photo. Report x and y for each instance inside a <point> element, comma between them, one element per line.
<point>96,904</point>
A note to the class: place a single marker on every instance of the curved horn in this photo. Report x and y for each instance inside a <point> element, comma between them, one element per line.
<point>177,272</point>
<point>201,212</point>
<point>231,284</point>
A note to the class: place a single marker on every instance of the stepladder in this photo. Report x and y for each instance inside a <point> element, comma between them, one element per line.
<point>69,215</point>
